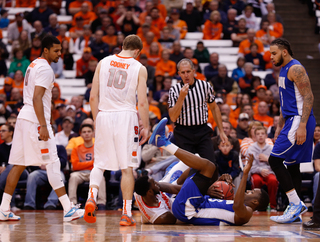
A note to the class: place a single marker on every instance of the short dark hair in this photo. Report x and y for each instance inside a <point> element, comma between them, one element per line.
<point>10,128</point>
<point>282,44</point>
<point>142,185</point>
<point>48,41</point>
<point>263,201</point>
<point>85,125</point>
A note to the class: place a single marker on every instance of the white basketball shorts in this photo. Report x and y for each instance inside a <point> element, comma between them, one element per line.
<point>116,140</point>
<point>27,149</point>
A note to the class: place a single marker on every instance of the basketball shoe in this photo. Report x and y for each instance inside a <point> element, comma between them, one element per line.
<point>90,211</point>
<point>291,215</point>
<point>8,216</point>
<point>158,137</point>
<point>73,214</point>
<point>127,221</point>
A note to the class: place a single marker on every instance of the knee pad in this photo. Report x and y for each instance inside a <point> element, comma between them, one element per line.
<point>54,176</point>
<point>96,176</point>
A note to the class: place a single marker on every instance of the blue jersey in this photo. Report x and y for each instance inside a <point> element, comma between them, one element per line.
<point>290,98</point>
<point>190,206</point>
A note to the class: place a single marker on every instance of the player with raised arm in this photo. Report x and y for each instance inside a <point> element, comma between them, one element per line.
<point>192,204</point>
<point>294,133</point>
<point>113,104</point>
<point>33,140</point>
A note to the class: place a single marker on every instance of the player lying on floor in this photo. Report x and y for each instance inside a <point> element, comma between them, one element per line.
<point>192,205</point>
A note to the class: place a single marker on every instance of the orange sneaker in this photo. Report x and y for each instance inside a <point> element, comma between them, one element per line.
<point>90,211</point>
<point>127,221</point>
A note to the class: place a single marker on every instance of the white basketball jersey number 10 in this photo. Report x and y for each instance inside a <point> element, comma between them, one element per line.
<point>117,78</point>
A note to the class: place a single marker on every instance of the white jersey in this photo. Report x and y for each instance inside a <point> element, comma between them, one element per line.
<point>39,73</point>
<point>150,214</point>
<point>118,81</point>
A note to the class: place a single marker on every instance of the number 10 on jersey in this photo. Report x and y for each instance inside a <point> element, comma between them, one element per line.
<point>117,78</point>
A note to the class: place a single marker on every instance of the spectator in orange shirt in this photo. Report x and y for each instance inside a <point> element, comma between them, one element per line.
<point>276,27</point>
<point>85,12</point>
<point>62,36</point>
<point>75,6</point>
<point>165,65</point>
<point>265,34</point>
<point>260,95</point>
<point>150,38</point>
<point>153,29</point>
<point>161,7</point>
<point>34,51</point>
<point>154,54</point>
<point>143,30</point>
<point>18,81</point>
<point>225,109</point>
<point>25,4</point>
<point>77,31</point>
<point>262,115</point>
<point>110,38</point>
<point>213,28</point>
<point>244,47</point>
<point>83,63</point>
<point>7,87</point>
<point>146,12</point>
<point>82,158</point>
<point>157,20</point>
<point>56,95</point>
<point>55,5</point>
<point>179,24</point>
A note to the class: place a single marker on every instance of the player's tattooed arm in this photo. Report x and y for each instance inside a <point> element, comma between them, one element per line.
<point>299,76</point>
<point>169,188</point>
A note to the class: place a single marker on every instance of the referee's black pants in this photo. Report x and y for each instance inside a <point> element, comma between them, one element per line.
<point>195,139</point>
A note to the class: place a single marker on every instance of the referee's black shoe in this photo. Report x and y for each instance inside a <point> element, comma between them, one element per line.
<point>310,225</point>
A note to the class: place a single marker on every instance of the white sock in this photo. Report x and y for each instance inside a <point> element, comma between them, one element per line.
<point>127,207</point>
<point>171,148</point>
<point>93,192</point>
<point>6,200</point>
<point>293,197</point>
<point>65,201</point>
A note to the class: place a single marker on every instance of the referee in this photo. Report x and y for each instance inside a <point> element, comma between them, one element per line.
<point>188,110</point>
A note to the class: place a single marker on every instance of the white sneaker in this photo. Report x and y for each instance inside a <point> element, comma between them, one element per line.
<point>74,213</point>
<point>8,216</point>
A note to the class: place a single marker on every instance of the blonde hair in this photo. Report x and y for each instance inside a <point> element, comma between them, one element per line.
<point>253,123</point>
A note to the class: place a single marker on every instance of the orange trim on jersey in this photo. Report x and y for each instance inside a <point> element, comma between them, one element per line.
<point>123,56</point>
<point>134,153</point>
<point>44,59</point>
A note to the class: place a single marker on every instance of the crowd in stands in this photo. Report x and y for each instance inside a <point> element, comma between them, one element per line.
<point>249,105</point>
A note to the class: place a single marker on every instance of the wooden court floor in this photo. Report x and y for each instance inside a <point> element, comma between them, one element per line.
<point>39,226</point>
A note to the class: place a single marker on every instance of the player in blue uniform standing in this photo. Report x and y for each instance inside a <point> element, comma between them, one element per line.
<point>192,205</point>
<point>294,134</point>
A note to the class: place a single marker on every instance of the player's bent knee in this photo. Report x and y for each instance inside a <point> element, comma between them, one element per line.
<point>54,176</point>
<point>275,162</point>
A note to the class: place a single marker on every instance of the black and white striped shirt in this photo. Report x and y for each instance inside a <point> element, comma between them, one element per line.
<point>194,110</point>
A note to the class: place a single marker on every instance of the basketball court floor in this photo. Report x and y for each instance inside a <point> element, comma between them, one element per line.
<point>39,226</point>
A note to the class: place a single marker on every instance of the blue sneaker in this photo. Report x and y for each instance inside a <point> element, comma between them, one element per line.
<point>74,213</point>
<point>158,137</point>
<point>292,215</point>
<point>8,216</point>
